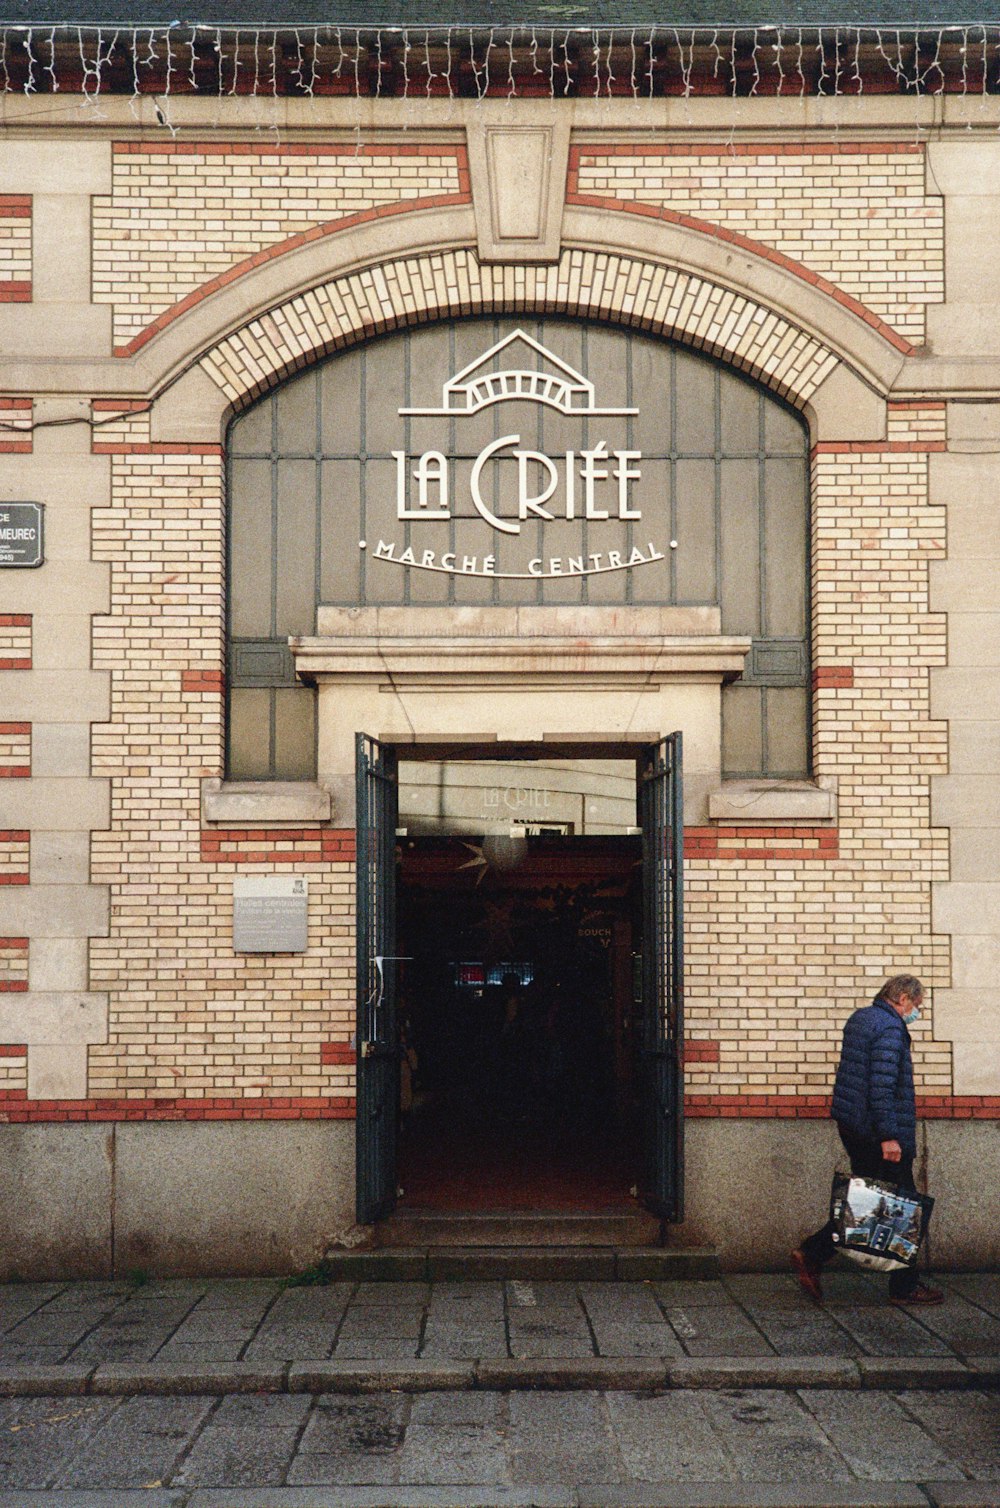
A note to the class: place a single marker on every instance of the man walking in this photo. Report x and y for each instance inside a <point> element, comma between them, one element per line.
<point>875,1110</point>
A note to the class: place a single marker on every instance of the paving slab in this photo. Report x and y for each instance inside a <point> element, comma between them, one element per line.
<point>39,1436</point>
<point>250,1456</point>
<point>764,1372</point>
<point>691,1294</point>
<point>352,1440</point>
<point>138,1446</point>
<point>166,1377</point>
<point>444,1455</point>
<point>562,1439</point>
<point>666,1437</point>
<point>389,1295</point>
<point>878,1439</point>
<point>716,1330</point>
<point>770,1437</point>
<point>963,1326</point>
<point>966,1424</point>
<point>802,1329</point>
<point>621,1340</point>
<point>982,1288</point>
<point>443,1339</point>
<point>378,1348</point>
<point>287,1342</point>
<point>373,1377</point>
<point>882,1330</point>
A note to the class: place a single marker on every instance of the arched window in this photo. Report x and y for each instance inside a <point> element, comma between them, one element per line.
<point>314,470</point>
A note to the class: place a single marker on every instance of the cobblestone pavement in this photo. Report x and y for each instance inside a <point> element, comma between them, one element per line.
<point>455,1439</point>
<point>265,1321</point>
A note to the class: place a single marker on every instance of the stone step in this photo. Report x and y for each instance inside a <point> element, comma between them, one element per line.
<point>539,1264</point>
<point>429,1228</point>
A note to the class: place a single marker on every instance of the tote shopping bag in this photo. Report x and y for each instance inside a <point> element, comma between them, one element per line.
<point>876,1224</point>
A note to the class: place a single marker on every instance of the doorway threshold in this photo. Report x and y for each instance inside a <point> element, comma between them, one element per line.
<point>538,1264</point>
<point>519,1228</point>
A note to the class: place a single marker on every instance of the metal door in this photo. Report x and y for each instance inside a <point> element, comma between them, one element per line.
<point>378,1043</point>
<point>661,815</point>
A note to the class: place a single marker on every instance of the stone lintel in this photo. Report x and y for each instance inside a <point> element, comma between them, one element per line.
<point>648,660</point>
<point>772,801</point>
<point>246,803</point>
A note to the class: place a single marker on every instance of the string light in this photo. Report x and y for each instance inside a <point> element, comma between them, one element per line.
<point>942,58</point>
<point>29,82</point>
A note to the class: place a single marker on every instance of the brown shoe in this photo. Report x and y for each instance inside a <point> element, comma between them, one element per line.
<point>808,1277</point>
<point>922,1294</point>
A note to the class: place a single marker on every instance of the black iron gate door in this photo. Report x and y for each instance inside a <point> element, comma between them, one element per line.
<point>661,814</point>
<point>378,1043</point>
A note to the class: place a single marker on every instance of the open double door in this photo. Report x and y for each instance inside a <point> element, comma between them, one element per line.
<point>660,810</point>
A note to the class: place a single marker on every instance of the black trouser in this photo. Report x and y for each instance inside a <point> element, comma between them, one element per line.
<point>867,1162</point>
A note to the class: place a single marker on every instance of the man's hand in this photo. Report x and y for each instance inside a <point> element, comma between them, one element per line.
<point>891,1151</point>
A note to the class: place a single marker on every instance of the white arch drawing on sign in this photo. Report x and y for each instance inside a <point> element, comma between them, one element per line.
<point>560,387</point>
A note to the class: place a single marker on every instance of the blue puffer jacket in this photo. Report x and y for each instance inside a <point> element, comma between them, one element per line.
<point>873,1094</point>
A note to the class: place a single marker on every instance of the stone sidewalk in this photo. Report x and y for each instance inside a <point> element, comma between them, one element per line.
<point>730,1449</point>
<point>179,1336</point>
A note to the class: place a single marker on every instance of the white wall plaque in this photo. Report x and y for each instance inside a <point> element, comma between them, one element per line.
<point>270,913</point>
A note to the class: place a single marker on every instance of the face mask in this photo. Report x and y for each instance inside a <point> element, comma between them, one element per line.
<point>912,1016</point>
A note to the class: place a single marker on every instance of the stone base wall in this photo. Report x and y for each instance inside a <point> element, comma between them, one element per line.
<point>249,1200</point>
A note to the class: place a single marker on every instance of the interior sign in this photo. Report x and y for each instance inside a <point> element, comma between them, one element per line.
<point>593,484</point>
<point>21,534</point>
<point>270,913</point>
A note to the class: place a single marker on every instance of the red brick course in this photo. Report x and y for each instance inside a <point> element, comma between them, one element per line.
<point>336,1053</point>
<point>278,845</point>
<point>203,680</point>
<point>876,447</point>
<point>761,843</point>
<point>15,1108</point>
<point>828,677</point>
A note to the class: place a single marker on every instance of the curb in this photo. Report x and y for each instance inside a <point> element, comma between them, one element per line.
<point>125,1379</point>
<point>542,1495</point>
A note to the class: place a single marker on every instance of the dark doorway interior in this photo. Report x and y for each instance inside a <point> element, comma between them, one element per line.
<point>520,1023</point>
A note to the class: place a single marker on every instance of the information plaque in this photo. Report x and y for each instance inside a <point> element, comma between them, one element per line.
<point>270,914</point>
<point>20,534</point>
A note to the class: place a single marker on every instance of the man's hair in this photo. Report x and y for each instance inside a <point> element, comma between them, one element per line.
<point>899,985</point>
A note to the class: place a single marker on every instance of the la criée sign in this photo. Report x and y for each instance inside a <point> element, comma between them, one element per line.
<point>592,484</point>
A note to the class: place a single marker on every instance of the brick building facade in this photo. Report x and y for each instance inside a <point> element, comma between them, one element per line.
<point>169,1102</point>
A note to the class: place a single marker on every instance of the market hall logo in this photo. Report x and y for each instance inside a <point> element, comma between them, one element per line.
<point>593,485</point>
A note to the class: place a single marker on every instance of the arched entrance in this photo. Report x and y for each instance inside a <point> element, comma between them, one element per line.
<point>561,539</point>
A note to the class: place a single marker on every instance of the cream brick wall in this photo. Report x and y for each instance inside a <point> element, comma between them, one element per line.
<point>15,750</point>
<point>188,1017</point>
<point>15,246</point>
<point>178,217</point>
<point>15,849</point>
<point>779,951</point>
<point>779,955</point>
<point>863,219</point>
